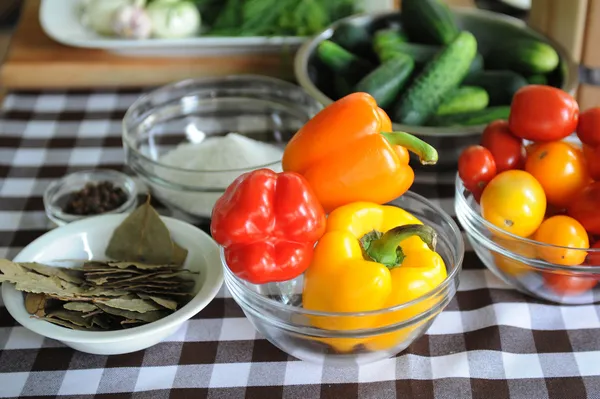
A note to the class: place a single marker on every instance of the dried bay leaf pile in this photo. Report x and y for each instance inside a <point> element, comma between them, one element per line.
<point>145,282</point>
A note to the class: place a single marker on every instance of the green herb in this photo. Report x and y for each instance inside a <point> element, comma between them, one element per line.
<point>272,17</point>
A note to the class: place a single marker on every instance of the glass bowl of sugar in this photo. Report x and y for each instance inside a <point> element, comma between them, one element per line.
<point>189,140</point>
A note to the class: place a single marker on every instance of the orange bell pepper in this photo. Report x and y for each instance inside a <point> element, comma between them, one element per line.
<point>348,153</point>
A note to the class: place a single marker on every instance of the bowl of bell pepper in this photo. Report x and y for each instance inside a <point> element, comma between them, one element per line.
<point>335,259</point>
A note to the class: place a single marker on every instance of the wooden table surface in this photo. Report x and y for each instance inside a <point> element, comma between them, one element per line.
<point>34,61</point>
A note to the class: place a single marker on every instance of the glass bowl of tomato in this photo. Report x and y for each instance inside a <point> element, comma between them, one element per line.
<point>559,274</point>
<point>277,311</point>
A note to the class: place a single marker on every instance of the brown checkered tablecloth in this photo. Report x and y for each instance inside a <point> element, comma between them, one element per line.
<point>491,342</point>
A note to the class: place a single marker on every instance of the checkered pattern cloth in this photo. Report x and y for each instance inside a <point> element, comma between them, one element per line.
<point>491,341</point>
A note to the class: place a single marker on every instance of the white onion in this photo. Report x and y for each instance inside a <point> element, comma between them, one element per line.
<point>173,20</point>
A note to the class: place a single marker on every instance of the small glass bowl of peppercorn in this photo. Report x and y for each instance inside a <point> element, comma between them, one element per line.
<point>89,193</point>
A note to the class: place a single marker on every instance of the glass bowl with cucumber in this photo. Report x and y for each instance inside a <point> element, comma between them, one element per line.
<point>441,73</point>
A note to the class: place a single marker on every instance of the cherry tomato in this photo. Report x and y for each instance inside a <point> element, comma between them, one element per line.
<point>562,231</point>
<point>593,258</point>
<point>507,149</point>
<point>529,148</point>
<point>542,113</point>
<point>514,201</point>
<point>561,169</point>
<point>476,167</point>
<point>566,284</point>
<point>511,266</point>
<point>586,208</point>
<point>588,127</point>
<point>588,151</point>
<point>593,162</point>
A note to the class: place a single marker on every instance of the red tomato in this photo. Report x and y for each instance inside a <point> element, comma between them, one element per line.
<point>476,167</point>
<point>593,162</point>
<point>565,284</point>
<point>586,208</point>
<point>588,151</point>
<point>542,113</point>
<point>593,259</point>
<point>507,149</point>
<point>588,127</point>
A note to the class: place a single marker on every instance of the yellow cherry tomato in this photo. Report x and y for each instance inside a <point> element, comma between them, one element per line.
<point>563,231</point>
<point>514,201</point>
<point>511,266</point>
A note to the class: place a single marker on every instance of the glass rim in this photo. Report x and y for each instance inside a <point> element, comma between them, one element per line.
<point>480,220</point>
<point>126,136</point>
<point>452,276</point>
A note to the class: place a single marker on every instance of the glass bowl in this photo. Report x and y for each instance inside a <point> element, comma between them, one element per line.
<point>275,309</point>
<point>516,259</point>
<point>263,109</point>
<point>57,192</point>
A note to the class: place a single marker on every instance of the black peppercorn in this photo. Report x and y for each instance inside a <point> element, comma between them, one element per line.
<point>94,199</point>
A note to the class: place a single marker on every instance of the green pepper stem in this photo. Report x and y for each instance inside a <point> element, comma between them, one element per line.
<point>426,153</point>
<point>385,249</point>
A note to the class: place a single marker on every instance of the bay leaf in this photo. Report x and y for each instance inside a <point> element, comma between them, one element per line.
<point>67,324</point>
<point>101,321</point>
<point>162,301</point>
<point>72,317</point>
<point>164,292</point>
<point>75,298</point>
<point>39,284</point>
<point>142,237</point>
<point>132,304</point>
<point>125,285</point>
<point>141,265</point>
<point>98,280</point>
<point>35,304</point>
<point>94,313</point>
<point>179,254</point>
<point>80,306</point>
<point>99,291</point>
<point>132,323</point>
<point>147,317</point>
<point>112,272</point>
<point>182,287</point>
<point>72,276</point>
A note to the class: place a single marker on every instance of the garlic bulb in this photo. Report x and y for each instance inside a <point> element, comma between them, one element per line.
<point>132,22</point>
<point>171,19</point>
<point>99,14</point>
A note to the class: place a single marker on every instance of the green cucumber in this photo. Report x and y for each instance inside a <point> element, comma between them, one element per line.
<point>473,118</point>
<point>420,53</point>
<point>342,61</point>
<point>387,43</point>
<point>428,21</point>
<point>383,37</point>
<point>500,85</point>
<point>527,56</point>
<point>439,77</point>
<point>537,80</point>
<point>464,99</point>
<point>385,82</point>
<point>355,39</point>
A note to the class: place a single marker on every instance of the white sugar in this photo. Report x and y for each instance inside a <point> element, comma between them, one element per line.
<point>212,158</point>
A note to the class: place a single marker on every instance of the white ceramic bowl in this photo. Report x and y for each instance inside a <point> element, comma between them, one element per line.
<point>87,239</point>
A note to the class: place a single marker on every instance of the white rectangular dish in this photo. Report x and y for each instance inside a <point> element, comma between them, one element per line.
<point>60,21</point>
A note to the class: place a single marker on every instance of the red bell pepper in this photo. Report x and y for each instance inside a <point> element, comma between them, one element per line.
<point>268,224</point>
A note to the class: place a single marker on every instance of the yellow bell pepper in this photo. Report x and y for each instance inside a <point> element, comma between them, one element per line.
<point>371,257</point>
